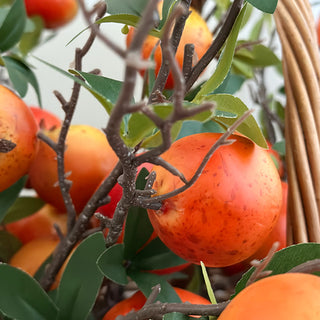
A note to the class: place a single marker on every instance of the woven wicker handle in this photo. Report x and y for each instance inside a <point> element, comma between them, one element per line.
<point>301,67</point>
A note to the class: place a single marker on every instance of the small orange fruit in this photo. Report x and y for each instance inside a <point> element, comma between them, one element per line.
<point>195,32</point>
<point>293,296</point>
<point>88,160</point>
<point>137,300</point>
<point>55,13</point>
<point>17,125</point>
<point>30,256</point>
<point>227,214</point>
<point>39,225</point>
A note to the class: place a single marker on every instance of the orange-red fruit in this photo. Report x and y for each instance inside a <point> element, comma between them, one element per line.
<point>195,32</point>
<point>39,225</point>
<point>88,160</point>
<point>229,211</point>
<point>136,302</point>
<point>45,119</point>
<point>31,255</point>
<point>278,234</point>
<point>293,296</point>
<point>17,125</point>
<point>55,13</point>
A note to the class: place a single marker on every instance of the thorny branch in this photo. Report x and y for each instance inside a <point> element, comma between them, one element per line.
<point>75,227</point>
<point>128,160</point>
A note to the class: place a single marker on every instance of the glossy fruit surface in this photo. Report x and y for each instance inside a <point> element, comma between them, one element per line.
<point>293,296</point>
<point>55,13</point>
<point>88,160</point>
<point>39,225</point>
<point>17,125</point>
<point>45,119</point>
<point>31,255</point>
<point>229,211</point>
<point>278,234</point>
<point>196,32</point>
<point>137,300</point>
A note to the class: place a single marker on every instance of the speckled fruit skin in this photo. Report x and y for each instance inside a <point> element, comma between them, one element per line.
<point>45,119</point>
<point>137,300</point>
<point>195,31</point>
<point>18,125</point>
<point>55,13</point>
<point>293,296</point>
<point>88,160</point>
<point>229,211</point>
<point>39,225</point>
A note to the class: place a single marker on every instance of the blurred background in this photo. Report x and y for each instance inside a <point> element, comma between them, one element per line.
<point>57,51</point>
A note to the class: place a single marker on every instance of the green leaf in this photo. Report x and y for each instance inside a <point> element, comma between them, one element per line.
<point>232,104</point>
<point>20,75</point>
<point>23,207</point>
<point>156,139</point>
<point>111,264</point>
<point>127,19</point>
<point>268,6</point>
<point>208,283</point>
<point>22,298</point>
<point>241,68</point>
<point>146,281</point>
<point>31,37</point>
<point>9,196</point>
<point>106,90</point>
<point>9,245</point>
<point>98,90</point>
<point>140,127</point>
<point>135,7</point>
<point>156,256</point>
<point>231,84</point>
<point>224,63</point>
<point>257,56</point>
<point>138,230</point>
<point>280,147</point>
<point>284,260</point>
<point>13,26</point>
<point>192,127</point>
<point>81,280</point>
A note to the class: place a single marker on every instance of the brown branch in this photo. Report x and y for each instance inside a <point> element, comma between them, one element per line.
<point>174,43</point>
<point>307,267</point>
<point>216,44</point>
<point>259,272</point>
<point>6,145</point>
<point>74,228</point>
<point>223,140</point>
<point>157,310</point>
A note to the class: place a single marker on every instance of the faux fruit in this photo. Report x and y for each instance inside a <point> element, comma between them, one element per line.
<point>278,234</point>
<point>55,13</point>
<point>195,31</point>
<point>88,160</point>
<point>39,225</point>
<point>45,119</point>
<point>137,301</point>
<point>31,255</point>
<point>226,215</point>
<point>293,296</point>
<point>18,126</point>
